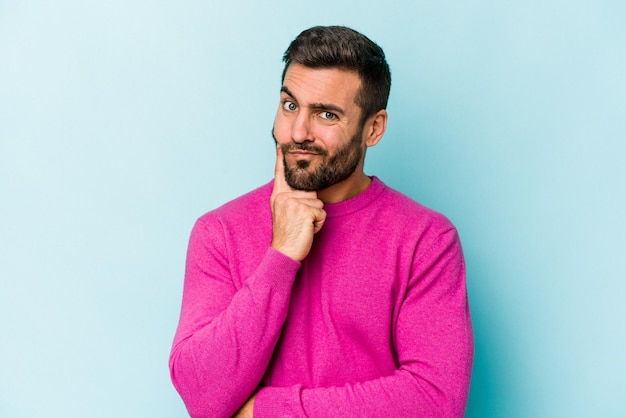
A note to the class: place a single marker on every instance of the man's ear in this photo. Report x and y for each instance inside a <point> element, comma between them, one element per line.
<point>375,128</point>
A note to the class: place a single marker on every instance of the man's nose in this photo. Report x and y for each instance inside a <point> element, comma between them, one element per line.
<point>300,131</point>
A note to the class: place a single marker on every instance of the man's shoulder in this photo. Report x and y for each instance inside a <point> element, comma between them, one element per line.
<point>406,209</point>
<point>251,205</point>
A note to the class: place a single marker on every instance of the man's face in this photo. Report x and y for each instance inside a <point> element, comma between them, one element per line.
<point>318,127</point>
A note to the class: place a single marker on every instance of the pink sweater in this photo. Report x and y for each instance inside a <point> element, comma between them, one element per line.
<point>374,322</point>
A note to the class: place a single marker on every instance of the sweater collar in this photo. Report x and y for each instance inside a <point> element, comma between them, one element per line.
<point>358,202</point>
<point>346,207</point>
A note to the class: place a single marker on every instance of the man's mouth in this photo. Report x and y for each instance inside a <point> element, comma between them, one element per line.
<point>302,153</point>
<point>303,150</point>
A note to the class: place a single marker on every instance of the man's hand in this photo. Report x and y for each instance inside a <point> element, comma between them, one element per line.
<point>247,409</point>
<point>296,215</point>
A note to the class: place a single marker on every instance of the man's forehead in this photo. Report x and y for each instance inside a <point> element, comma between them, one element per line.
<point>321,84</point>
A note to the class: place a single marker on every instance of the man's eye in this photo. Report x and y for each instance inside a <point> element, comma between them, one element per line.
<point>328,115</point>
<point>290,106</point>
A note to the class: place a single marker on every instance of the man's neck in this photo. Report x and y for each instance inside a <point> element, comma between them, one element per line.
<point>347,189</point>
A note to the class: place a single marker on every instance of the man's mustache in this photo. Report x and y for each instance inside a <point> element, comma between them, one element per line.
<point>307,146</point>
<point>304,146</point>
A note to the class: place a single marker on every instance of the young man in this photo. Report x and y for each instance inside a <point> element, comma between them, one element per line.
<point>325,293</point>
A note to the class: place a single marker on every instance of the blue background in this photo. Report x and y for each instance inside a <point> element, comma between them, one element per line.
<point>123,121</point>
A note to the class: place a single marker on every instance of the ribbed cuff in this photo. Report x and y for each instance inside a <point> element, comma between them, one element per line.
<point>276,269</point>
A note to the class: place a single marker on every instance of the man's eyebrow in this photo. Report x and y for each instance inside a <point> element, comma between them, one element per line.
<point>316,106</point>
<point>327,107</point>
<point>285,90</point>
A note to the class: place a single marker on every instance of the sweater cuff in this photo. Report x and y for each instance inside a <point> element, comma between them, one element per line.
<point>275,267</point>
<point>278,402</point>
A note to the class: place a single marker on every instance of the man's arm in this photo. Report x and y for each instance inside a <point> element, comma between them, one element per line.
<point>433,339</point>
<point>226,336</point>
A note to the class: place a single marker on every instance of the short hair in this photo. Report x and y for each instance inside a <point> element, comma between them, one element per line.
<point>345,48</point>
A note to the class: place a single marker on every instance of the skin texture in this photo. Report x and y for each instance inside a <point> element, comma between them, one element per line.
<point>318,112</point>
<point>317,131</point>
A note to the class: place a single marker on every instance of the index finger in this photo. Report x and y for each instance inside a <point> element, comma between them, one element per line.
<point>280,184</point>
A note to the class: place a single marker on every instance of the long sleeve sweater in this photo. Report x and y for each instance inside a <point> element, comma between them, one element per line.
<point>374,322</point>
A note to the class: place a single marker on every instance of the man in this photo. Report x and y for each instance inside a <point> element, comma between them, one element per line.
<point>325,293</point>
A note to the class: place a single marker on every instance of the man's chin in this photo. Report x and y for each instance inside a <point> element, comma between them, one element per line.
<point>300,179</point>
<point>302,185</point>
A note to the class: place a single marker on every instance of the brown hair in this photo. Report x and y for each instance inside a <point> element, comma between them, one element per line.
<point>345,48</point>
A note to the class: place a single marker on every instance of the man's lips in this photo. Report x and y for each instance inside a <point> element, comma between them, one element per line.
<point>300,153</point>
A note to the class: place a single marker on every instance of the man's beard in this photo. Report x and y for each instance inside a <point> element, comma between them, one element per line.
<point>331,170</point>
